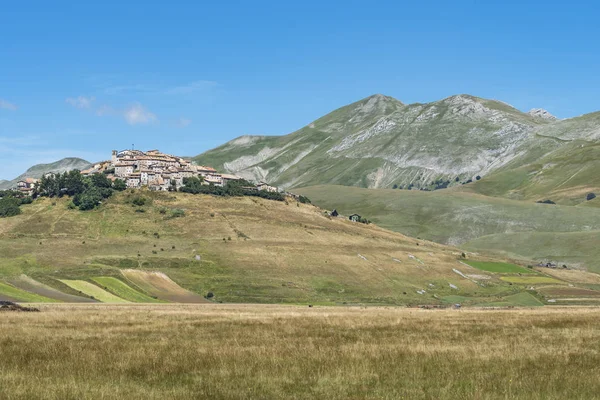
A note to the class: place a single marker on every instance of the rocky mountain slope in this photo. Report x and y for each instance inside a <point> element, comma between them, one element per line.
<point>37,171</point>
<point>562,166</point>
<point>380,142</point>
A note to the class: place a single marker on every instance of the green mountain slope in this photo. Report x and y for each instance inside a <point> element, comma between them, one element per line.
<point>564,168</point>
<point>39,170</point>
<point>379,142</point>
<point>513,228</point>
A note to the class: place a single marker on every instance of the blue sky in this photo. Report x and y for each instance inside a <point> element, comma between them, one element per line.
<point>82,78</point>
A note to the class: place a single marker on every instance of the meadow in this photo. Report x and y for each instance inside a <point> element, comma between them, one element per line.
<point>506,228</point>
<point>158,351</point>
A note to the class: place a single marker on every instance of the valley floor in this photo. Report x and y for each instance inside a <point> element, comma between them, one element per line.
<point>160,351</point>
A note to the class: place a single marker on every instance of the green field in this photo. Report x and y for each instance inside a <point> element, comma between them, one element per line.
<point>522,299</point>
<point>526,280</point>
<point>122,290</point>
<point>498,267</point>
<point>14,294</point>
<point>93,291</point>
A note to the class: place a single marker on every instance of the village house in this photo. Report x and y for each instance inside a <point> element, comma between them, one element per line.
<point>354,218</point>
<point>27,185</point>
<point>267,187</point>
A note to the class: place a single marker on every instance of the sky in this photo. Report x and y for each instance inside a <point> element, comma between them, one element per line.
<point>78,79</point>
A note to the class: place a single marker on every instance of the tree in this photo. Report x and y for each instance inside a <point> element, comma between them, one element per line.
<point>590,196</point>
<point>9,207</point>
<point>119,185</point>
<point>71,183</point>
<point>395,186</point>
<point>101,181</point>
<point>88,200</point>
<point>478,177</point>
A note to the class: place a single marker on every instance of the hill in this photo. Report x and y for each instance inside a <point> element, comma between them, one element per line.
<point>509,228</point>
<point>380,142</point>
<point>233,250</point>
<point>39,170</point>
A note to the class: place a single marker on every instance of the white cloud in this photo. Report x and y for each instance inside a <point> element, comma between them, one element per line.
<point>192,87</point>
<point>183,122</point>
<point>81,101</point>
<point>7,105</point>
<point>137,114</point>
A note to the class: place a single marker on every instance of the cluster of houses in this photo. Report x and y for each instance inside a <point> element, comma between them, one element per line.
<point>27,185</point>
<point>152,169</point>
<point>159,171</point>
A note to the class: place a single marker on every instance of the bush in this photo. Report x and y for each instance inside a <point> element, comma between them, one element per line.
<point>545,202</point>
<point>119,185</point>
<point>139,201</point>
<point>590,196</point>
<point>9,207</point>
<point>177,212</point>
<point>304,200</point>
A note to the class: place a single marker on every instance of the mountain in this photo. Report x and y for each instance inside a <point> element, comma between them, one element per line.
<point>380,142</point>
<point>562,167</point>
<point>39,170</point>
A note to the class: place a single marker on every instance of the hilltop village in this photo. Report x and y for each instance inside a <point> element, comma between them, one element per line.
<point>159,171</point>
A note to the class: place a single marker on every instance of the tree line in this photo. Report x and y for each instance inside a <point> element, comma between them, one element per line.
<point>86,192</point>
<point>195,185</point>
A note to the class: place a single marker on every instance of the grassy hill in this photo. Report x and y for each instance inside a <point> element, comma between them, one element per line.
<point>238,249</point>
<point>521,229</point>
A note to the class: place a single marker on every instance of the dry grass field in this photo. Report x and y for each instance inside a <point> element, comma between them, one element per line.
<point>99,351</point>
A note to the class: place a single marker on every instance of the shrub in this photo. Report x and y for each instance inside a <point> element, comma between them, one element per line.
<point>545,202</point>
<point>119,185</point>
<point>9,207</point>
<point>590,196</point>
<point>304,200</point>
<point>177,212</point>
<point>139,201</point>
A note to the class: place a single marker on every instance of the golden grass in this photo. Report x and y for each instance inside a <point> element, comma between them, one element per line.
<point>212,351</point>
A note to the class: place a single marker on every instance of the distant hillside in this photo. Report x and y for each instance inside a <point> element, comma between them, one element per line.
<point>380,142</point>
<point>564,167</point>
<point>37,171</point>
<point>508,227</point>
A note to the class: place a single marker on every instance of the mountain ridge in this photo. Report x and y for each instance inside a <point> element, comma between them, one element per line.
<point>380,142</point>
<point>39,170</point>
